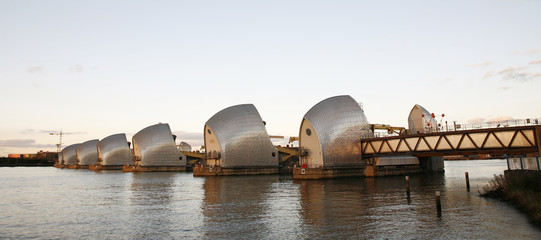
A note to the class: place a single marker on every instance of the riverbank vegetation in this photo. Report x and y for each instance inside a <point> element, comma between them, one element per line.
<point>520,188</point>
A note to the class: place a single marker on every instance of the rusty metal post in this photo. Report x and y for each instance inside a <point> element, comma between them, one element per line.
<point>408,188</point>
<point>467,181</point>
<point>438,203</point>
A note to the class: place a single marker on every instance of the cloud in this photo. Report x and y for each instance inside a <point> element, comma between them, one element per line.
<point>504,88</point>
<point>195,139</point>
<point>535,62</point>
<point>28,131</point>
<point>35,69</point>
<point>72,133</point>
<point>76,68</point>
<point>488,75</point>
<point>515,74</point>
<point>24,143</point>
<point>476,120</point>
<point>502,118</point>
<point>44,131</point>
<point>481,64</point>
<point>446,80</point>
<point>530,51</point>
<point>188,135</point>
<point>507,70</point>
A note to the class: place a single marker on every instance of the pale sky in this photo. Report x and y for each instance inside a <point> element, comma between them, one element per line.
<point>97,68</point>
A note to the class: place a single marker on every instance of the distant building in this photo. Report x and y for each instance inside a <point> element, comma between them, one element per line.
<point>15,155</point>
<point>51,156</point>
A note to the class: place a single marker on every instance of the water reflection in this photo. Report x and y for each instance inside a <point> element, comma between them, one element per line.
<point>49,203</point>
<point>236,206</point>
<point>332,208</point>
<point>378,208</point>
<point>160,202</point>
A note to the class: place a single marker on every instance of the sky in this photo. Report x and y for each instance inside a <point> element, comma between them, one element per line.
<point>97,68</point>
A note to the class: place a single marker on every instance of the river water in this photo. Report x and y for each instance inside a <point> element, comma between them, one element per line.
<point>51,203</point>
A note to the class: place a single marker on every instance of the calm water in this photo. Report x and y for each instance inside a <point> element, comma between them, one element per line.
<point>50,203</point>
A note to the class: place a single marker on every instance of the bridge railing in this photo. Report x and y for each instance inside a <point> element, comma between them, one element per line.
<point>493,124</point>
<point>454,126</point>
<point>524,163</point>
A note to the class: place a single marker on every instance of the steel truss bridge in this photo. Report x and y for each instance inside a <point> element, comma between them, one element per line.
<point>503,140</point>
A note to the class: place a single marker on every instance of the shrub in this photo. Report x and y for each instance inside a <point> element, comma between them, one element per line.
<point>521,188</point>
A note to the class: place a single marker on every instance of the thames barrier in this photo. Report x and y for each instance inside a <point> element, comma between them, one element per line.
<point>335,140</point>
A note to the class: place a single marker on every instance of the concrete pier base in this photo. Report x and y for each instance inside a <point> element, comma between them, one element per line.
<point>432,164</point>
<point>381,171</point>
<point>128,168</point>
<point>355,171</point>
<point>321,173</point>
<point>106,167</point>
<point>220,171</point>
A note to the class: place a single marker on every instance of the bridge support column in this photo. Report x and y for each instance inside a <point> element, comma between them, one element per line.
<point>432,164</point>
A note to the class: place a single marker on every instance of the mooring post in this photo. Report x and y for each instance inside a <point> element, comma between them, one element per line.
<point>467,181</point>
<point>408,187</point>
<point>438,203</point>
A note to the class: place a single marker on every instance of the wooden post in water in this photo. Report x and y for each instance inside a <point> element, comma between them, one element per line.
<point>467,181</point>
<point>438,203</point>
<point>408,187</point>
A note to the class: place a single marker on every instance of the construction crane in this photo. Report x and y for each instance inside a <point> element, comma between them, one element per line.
<point>293,139</point>
<point>59,145</point>
<point>390,129</point>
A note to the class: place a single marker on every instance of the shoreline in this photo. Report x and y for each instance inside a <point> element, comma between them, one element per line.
<point>520,188</point>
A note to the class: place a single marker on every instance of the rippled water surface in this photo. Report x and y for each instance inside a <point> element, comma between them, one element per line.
<point>49,203</point>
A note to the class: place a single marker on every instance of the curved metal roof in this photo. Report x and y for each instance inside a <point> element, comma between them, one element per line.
<point>417,122</point>
<point>339,123</point>
<point>69,154</point>
<point>60,159</point>
<point>184,146</point>
<point>155,147</point>
<point>242,137</point>
<point>114,150</point>
<point>87,152</point>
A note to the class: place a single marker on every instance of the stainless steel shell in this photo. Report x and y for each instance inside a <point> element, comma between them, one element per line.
<point>242,138</point>
<point>155,146</point>
<point>115,151</point>
<point>184,146</point>
<point>418,120</point>
<point>87,152</point>
<point>339,123</point>
<point>69,154</point>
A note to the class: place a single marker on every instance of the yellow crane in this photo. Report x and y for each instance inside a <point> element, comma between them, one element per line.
<point>390,129</point>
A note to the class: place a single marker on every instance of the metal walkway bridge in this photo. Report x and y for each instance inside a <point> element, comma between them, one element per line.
<point>502,140</point>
